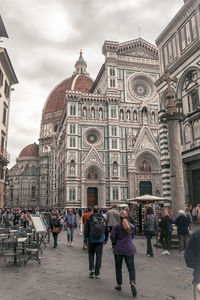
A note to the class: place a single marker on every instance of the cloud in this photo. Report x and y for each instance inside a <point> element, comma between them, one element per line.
<point>44,42</point>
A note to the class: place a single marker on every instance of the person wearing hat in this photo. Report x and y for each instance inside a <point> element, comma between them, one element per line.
<point>182,223</point>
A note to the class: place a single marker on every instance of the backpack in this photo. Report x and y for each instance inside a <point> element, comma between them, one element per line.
<point>97,226</point>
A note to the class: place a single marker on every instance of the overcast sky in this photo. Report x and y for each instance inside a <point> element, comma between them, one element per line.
<point>45,37</point>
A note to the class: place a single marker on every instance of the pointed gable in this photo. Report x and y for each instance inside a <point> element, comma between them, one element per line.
<point>146,140</point>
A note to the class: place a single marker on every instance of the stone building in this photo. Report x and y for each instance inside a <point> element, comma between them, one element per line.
<point>99,140</point>
<point>179,52</point>
<point>7,79</point>
<point>24,179</point>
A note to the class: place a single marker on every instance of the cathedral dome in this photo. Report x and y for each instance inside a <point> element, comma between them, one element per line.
<point>79,81</point>
<point>31,150</point>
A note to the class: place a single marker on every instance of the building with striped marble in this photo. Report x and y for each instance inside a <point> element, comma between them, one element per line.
<point>179,52</point>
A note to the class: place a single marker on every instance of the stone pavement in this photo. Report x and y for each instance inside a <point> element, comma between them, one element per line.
<point>63,274</point>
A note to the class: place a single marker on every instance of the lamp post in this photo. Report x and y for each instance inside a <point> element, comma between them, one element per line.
<point>172,117</point>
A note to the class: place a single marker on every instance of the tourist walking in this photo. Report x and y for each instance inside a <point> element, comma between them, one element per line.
<point>121,237</point>
<point>150,227</point>
<point>70,223</point>
<point>55,227</point>
<point>84,219</point>
<point>182,222</point>
<point>95,236</point>
<point>192,259</point>
<point>79,222</point>
<point>112,217</point>
<point>165,224</point>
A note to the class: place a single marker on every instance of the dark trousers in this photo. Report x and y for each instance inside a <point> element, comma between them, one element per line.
<point>55,237</point>
<point>92,249</point>
<point>149,235</point>
<point>182,241</point>
<point>129,260</point>
<point>167,236</point>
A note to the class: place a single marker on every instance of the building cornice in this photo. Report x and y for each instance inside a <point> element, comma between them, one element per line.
<point>178,19</point>
<point>8,68</point>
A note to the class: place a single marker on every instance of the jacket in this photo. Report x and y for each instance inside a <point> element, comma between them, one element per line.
<point>150,223</point>
<point>55,223</point>
<point>192,255</point>
<point>70,220</point>
<point>87,229</point>
<point>123,244</point>
<point>182,223</point>
<point>112,217</point>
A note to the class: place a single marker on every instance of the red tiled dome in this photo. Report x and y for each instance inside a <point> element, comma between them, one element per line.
<point>56,100</point>
<point>31,150</point>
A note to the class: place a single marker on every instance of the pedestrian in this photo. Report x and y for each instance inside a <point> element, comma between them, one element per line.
<point>84,219</point>
<point>150,227</point>
<point>182,222</point>
<point>70,223</point>
<point>121,237</point>
<point>192,259</point>
<point>79,222</point>
<point>165,224</point>
<point>112,217</point>
<point>95,236</point>
<point>55,227</point>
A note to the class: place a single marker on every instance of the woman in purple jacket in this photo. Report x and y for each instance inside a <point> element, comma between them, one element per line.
<point>121,237</point>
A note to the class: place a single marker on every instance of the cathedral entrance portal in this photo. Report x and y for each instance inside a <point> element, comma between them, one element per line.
<point>92,196</point>
<point>145,188</point>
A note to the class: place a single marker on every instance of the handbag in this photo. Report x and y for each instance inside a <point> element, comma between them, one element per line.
<point>56,229</point>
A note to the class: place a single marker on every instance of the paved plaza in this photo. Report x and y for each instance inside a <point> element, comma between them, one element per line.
<point>63,274</point>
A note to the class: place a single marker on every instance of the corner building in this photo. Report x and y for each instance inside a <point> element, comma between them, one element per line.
<point>179,52</point>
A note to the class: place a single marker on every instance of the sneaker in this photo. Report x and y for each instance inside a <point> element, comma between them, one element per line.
<point>133,289</point>
<point>148,255</point>
<point>167,252</point>
<point>118,287</point>
<point>97,276</point>
<point>91,274</point>
<point>164,252</point>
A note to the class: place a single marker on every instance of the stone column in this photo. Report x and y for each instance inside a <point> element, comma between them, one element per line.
<point>176,167</point>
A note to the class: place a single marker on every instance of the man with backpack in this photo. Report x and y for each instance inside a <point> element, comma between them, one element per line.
<point>95,236</point>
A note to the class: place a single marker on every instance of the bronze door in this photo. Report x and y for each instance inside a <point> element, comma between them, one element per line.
<point>92,196</point>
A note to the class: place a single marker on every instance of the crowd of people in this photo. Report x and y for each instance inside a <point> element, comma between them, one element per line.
<point>98,225</point>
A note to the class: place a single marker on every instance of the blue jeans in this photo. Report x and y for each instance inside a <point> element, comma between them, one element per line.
<point>129,260</point>
<point>70,233</point>
<point>149,235</point>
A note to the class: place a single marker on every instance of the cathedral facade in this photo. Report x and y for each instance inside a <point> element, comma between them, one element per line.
<point>99,140</point>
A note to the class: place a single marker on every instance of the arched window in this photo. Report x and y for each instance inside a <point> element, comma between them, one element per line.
<point>72,167</point>
<point>72,110</point>
<point>100,113</point>
<point>121,114</point>
<point>190,97</point>
<point>92,113</point>
<point>112,71</point>
<point>145,166</point>
<point>84,112</point>
<point>33,170</point>
<point>115,168</point>
<point>33,192</point>
<point>144,115</point>
<point>72,142</point>
<point>187,134</point>
<point>72,194</point>
<point>135,116</point>
<point>114,144</point>
<point>72,128</point>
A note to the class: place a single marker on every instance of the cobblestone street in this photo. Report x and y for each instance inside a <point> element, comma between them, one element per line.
<point>63,274</point>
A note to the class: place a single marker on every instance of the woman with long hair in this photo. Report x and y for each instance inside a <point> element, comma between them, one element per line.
<point>150,226</point>
<point>121,237</point>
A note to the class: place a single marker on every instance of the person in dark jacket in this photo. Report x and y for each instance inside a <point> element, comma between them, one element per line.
<point>192,259</point>
<point>121,237</point>
<point>55,227</point>
<point>165,224</point>
<point>95,236</point>
<point>182,223</point>
<point>150,225</point>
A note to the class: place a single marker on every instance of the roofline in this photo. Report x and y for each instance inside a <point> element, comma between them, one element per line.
<point>8,65</point>
<point>101,71</point>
